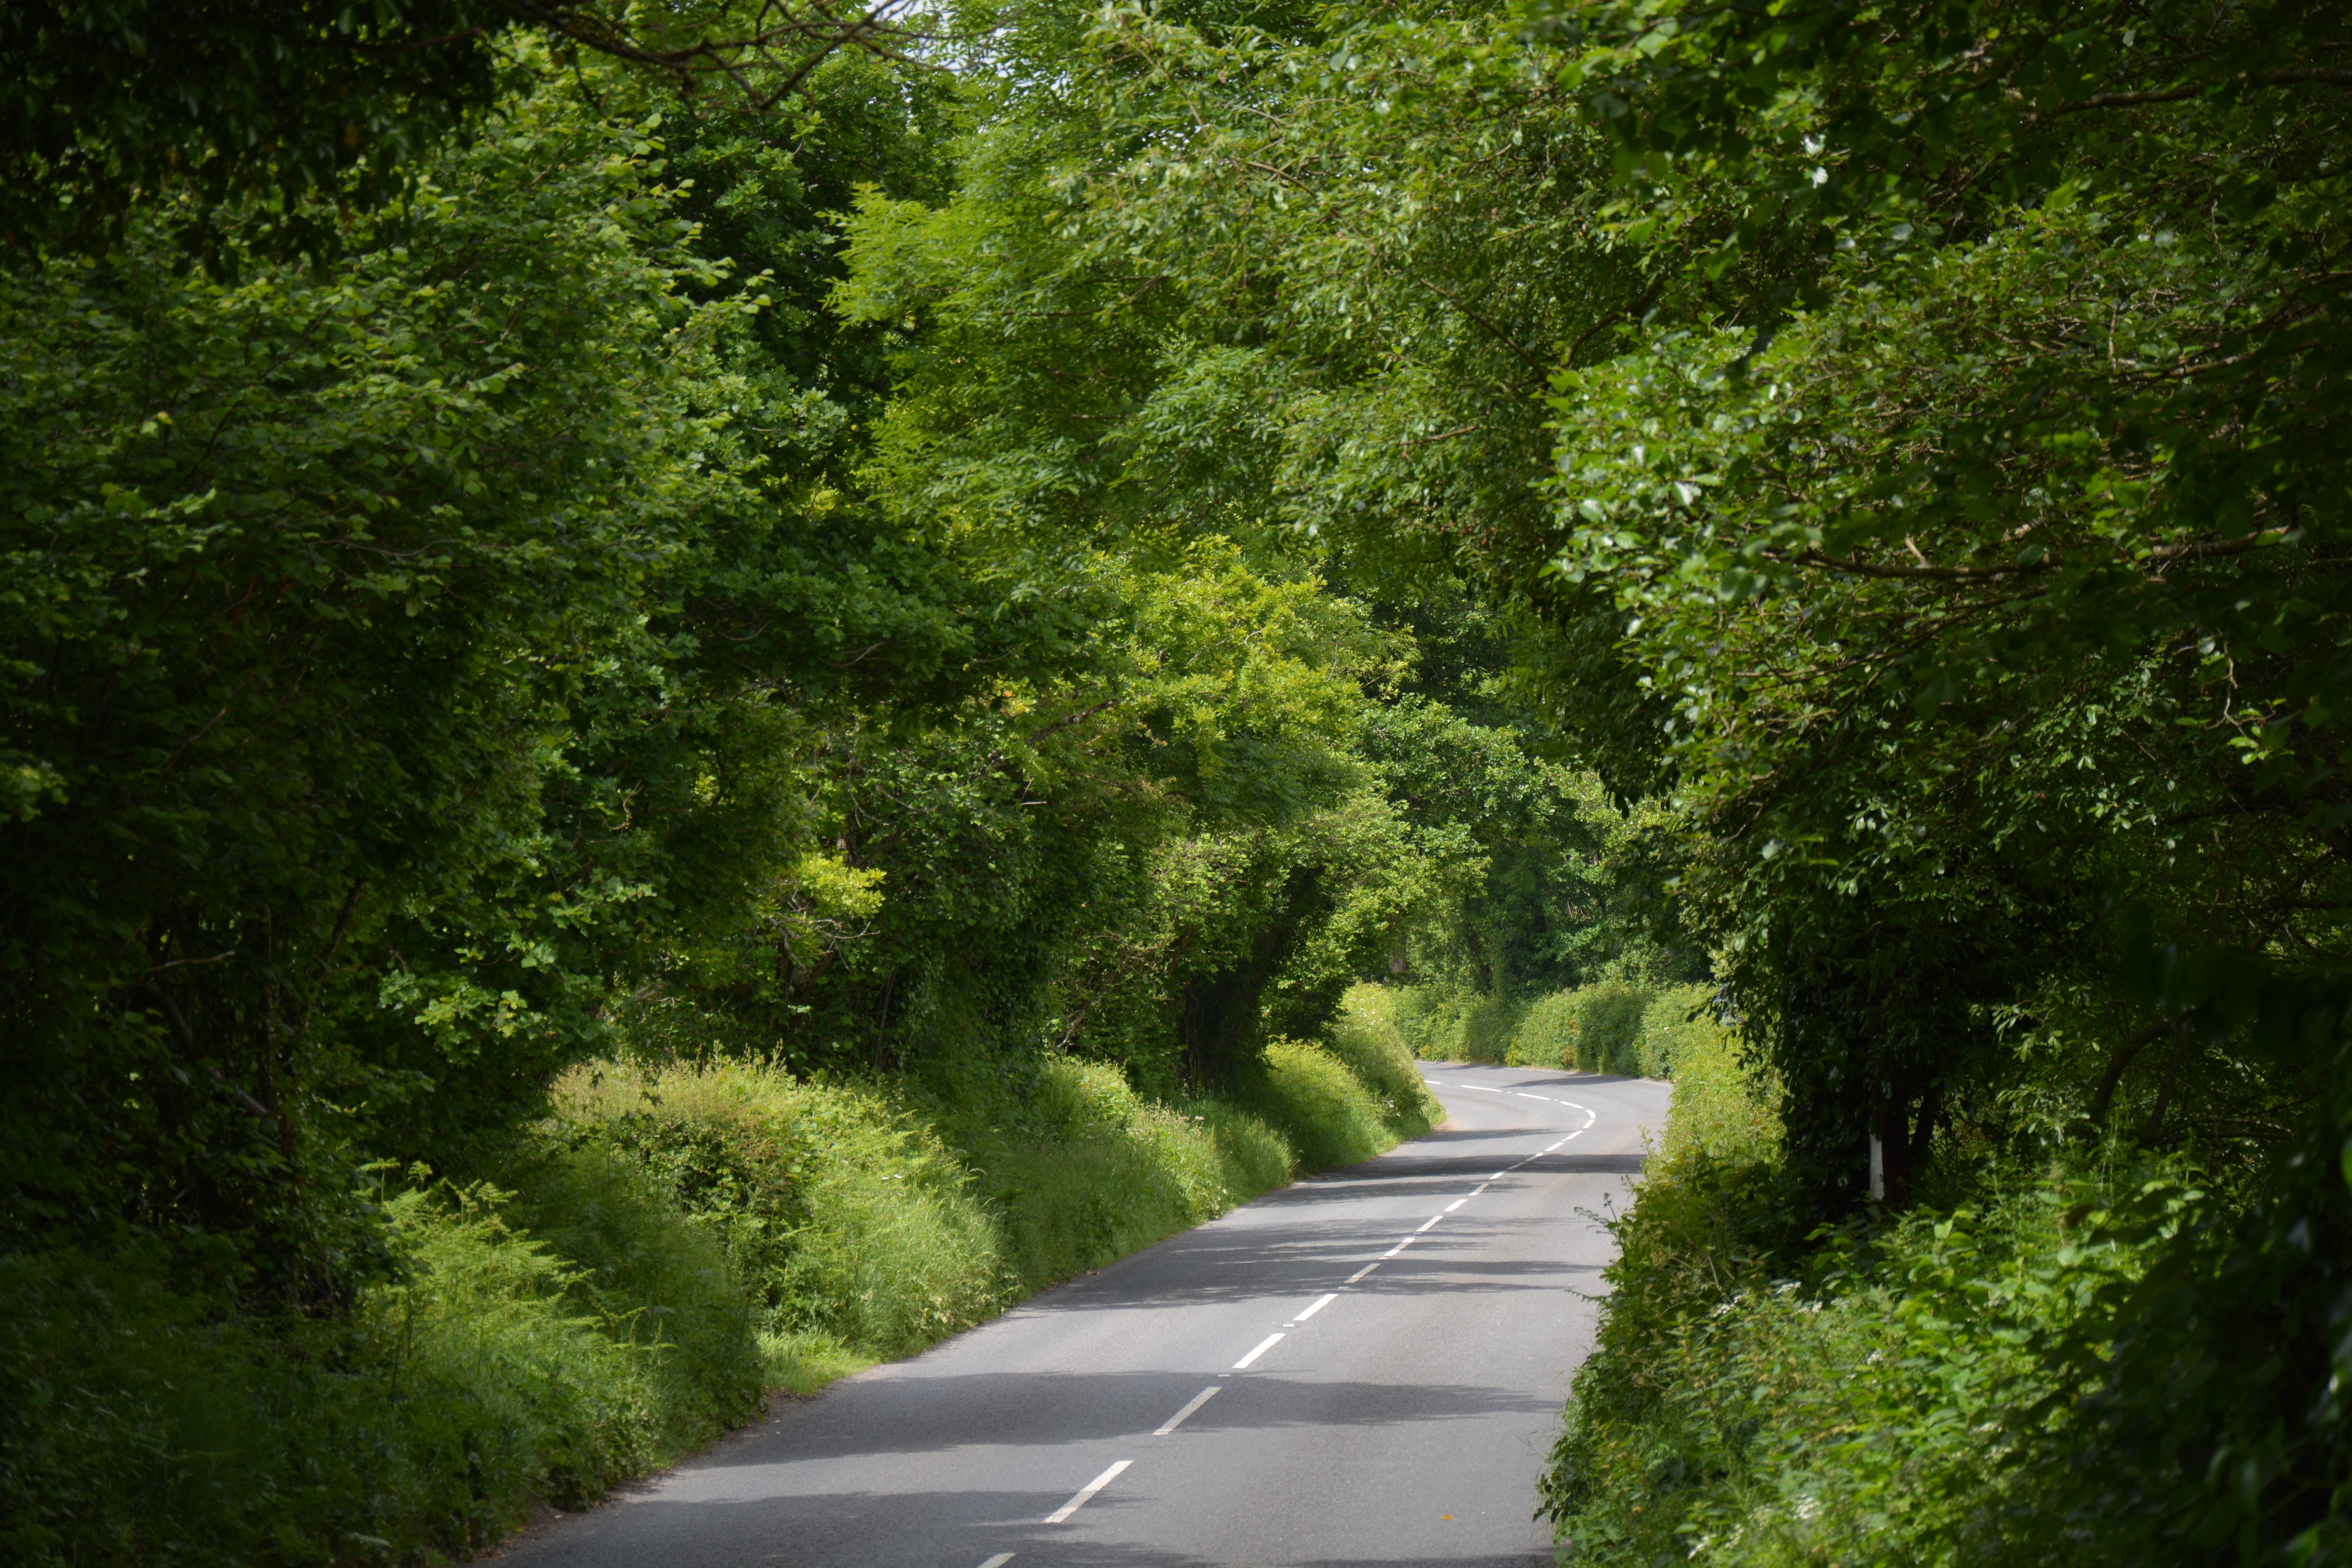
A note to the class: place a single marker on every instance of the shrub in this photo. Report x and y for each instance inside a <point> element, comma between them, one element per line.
<point>1088,1170</point>
<point>854,1224</point>
<point>1723,1109</point>
<point>139,1424</point>
<point>1365,1036</point>
<point>1678,1019</point>
<point>647,1281</point>
<point>1547,1038</point>
<point>1448,1023</point>
<point>1609,1027</point>
<point>1329,1116</point>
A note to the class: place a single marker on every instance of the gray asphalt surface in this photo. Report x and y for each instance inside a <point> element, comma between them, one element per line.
<point>1402,1420</point>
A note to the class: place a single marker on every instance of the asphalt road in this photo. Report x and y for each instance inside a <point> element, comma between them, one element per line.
<point>1364,1367</point>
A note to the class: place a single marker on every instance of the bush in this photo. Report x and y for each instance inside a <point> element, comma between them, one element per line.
<point>1447,1023</point>
<point>868,1228</point>
<point>1086,1170</point>
<point>670,1241</point>
<point>1365,1036</point>
<point>1617,1028</point>
<point>2059,1370</point>
<point>1678,1019</point>
<point>1330,1118</point>
<point>854,1224</point>
<point>647,1281</point>
<point>1609,1027</point>
<point>1547,1038</point>
<point>142,1424</point>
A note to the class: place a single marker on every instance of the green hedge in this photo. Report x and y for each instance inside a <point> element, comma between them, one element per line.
<point>1618,1028</point>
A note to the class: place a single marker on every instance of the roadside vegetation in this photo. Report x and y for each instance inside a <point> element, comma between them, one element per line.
<point>673,717</point>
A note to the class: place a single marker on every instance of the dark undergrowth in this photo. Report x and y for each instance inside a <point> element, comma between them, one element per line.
<point>613,1289</point>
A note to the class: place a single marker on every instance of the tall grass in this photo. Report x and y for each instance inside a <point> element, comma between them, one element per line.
<point>1088,1170</point>
<point>617,1287</point>
<point>1365,1036</point>
<point>854,1227</point>
<point>142,1424</point>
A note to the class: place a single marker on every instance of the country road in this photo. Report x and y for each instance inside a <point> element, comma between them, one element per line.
<point>1364,1367</point>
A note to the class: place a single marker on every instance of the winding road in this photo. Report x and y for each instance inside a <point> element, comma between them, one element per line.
<point>1364,1367</point>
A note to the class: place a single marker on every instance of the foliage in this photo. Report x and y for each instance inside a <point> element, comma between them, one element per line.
<point>846,1219</point>
<point>529,631</point>
<point>1678,1024</point>
<point>2102,1357</point>
<point>107,104</point>
<point>1446,1021</point>
<point>144,1424</point>
<point>1366,1038</point>
<point>1547,1037</point>
<point>305,574</point>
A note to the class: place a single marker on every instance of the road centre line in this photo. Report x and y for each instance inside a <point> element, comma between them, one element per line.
<point>1318,1306</point>
<point>1400,1246</point>
<point>999,1561</point>
<point>1178,1419</point>
<point>1432,1219</point>
<point>1359,1273</point>
<point>1480,1188</point>
<point>1456,1204</point>
<point>1263,1345</point>
<point>1088,1490</point>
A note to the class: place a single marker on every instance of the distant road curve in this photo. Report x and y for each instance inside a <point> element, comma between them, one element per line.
<point>1363,1367</point>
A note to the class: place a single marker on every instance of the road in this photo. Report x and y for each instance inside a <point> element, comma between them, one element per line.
<point>1364,1367</point>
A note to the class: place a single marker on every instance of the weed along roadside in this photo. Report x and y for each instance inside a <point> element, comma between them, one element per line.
<point>621,1283</point>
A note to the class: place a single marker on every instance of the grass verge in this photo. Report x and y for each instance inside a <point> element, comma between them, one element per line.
<point>615,1288</point>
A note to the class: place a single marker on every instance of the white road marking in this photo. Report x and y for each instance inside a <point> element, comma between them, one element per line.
<point>1087,1491</point>
<point>1456,1204</point>
<point>1178,1419</point>
<point>1263,1345</point>
<point>1359,1273</point>
<point>1480,1188</point>
<point>999,1561</point>
<point>1318,1306</point>
<point>1545,1098</point>
<point>1400,1246</point>
<point>1498,1175</point>
<point>1432,1219</point>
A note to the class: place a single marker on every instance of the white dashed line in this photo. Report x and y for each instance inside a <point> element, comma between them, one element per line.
<point>1359,1273</point>
<point>1400,1246</point>
<point>1178,1419</point>
<point>999,1561</point>
<point>1092,1487</point>
<point>1456,1204</point>
<point>1265,1345</point>
<point>1432,1219</point>
<point>1321,1303</point>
